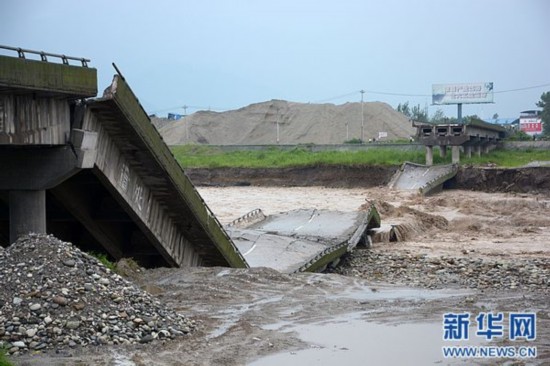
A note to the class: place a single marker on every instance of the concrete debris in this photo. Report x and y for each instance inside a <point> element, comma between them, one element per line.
<point>56,297</point>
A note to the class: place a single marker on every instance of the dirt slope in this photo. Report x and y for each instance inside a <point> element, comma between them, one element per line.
<point>299,123</point>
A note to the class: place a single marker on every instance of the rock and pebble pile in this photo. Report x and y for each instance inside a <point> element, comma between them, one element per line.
<point>420,270</point>
<point>54,296</point>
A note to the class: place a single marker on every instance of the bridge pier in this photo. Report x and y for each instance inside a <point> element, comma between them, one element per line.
<point>455,150</point>
<point>429,155</point>
<point>442,151</point>
<point>27,213</point>
<point>468,151</point>
<point>478,150</point>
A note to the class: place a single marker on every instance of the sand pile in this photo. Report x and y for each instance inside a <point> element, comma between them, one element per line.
<point>299,123</point>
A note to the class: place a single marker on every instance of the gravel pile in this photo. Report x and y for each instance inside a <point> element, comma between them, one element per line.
<point>53,296</point>
<point>444,272</point>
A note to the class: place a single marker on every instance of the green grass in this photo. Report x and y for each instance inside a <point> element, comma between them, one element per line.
<point>194,156</point>
<point>3,358</point>
<point>508,158</point>
<point>190,156</point>
<point>104,259</point>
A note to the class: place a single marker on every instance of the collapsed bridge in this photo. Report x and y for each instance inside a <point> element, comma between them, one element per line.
<point>95,172</point>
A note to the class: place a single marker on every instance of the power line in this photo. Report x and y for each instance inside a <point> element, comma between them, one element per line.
<point>399,94</point>
<point>338,97</point>
<point>185,107</point>
<point>520,89</point>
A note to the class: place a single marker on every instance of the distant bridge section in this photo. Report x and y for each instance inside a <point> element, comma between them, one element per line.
<point>95,171</point>
<point>475,136</point>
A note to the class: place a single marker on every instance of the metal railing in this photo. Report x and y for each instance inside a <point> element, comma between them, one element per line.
<point>44,55</point>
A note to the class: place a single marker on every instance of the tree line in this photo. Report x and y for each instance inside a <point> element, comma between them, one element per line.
<point>419,114</point>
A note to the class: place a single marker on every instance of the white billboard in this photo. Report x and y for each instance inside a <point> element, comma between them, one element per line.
<point>467,93</point>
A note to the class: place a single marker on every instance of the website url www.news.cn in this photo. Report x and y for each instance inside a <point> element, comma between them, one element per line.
<point>489,352</point>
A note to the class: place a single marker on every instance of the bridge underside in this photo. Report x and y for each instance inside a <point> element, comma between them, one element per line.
<point>82,210</point>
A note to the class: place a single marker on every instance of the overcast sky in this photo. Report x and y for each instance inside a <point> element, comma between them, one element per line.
<point>228,54</point>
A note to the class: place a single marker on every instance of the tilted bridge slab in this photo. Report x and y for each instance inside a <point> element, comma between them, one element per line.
<point>96,171</point>
<point>425,179</point>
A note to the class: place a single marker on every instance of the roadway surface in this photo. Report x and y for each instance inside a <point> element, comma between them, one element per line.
<point>296,240</point>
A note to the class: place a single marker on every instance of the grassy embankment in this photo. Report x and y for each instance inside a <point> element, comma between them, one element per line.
<point>195,156</point>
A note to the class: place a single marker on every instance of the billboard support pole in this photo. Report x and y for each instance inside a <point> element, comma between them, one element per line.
<point>459,105</point>
<point>362,118</point>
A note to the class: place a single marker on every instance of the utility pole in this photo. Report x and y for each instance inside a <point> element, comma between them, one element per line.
<point>277,126</point>
<point>362,118</point>
<point>186,123</point>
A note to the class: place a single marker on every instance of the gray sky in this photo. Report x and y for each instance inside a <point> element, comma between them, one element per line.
<point>228,54</point>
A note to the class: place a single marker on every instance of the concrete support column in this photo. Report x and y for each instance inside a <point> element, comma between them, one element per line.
<point>478,150</point>
<point>443,151</point>
<point>455,150</point>
<point>486,149</point>
<point>429,155</point>
<point>468,151</point>
<point>27,213</point>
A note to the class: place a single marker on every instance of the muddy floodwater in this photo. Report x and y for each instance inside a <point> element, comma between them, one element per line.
<point>392,315</point>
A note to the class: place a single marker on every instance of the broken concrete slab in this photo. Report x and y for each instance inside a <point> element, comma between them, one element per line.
<point>423,178</point>
<point>301,240</point>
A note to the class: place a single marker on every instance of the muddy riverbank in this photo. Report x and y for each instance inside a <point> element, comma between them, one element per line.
<point>487,179</point>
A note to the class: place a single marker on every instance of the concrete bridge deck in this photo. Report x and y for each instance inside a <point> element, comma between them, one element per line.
<point>301,240</point>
